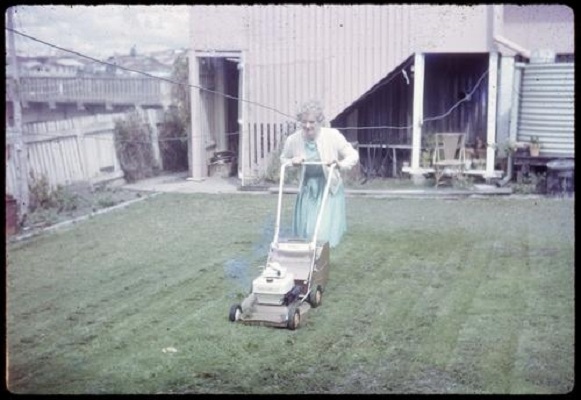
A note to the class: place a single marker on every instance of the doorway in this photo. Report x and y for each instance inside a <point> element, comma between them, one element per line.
<point>220,110</point>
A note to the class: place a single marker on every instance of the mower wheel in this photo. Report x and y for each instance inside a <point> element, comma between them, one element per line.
<point>294,318</point>
<point>316,297</point>
<point>235,312</point>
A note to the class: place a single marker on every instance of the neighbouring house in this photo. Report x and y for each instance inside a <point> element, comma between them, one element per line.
<point>54,88</point>
<point>388,75</point>
<point>167,57</point>
<point>50,66</point>
<point>137,65</point>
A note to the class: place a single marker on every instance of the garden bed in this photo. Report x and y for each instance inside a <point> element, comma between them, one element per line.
<point>69,202</point>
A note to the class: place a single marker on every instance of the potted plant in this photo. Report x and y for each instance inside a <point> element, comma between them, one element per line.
<point>535,146</point>
<point>427,153</point>
<point>426,158</point>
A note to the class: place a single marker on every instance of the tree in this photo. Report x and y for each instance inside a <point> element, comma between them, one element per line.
<point>181,91</point>
<point>173,133</point>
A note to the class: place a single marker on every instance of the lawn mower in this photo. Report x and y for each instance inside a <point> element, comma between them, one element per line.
<point>294,277</point>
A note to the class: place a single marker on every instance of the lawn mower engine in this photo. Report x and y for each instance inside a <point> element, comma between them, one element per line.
<point>275,286</point>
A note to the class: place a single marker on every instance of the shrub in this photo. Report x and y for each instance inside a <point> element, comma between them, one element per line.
<point>173,133</point>
<point>46,202</point>
<point>134,148</point>
<point>39,193</point>
<point>65,200</point>
<point>272,173</point>
<point>531,183</point>
<point>43,197</point>
<point>173,141</point>
<point>106,202</point>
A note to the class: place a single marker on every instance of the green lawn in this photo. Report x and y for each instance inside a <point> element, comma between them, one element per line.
<point>424,296</point>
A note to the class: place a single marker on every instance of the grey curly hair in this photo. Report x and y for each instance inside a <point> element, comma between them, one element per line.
<point>312,106</point>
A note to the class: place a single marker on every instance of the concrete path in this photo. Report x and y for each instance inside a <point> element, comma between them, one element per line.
<point>179,183</point>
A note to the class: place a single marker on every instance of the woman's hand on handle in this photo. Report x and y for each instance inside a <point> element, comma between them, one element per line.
<point>297,160</point>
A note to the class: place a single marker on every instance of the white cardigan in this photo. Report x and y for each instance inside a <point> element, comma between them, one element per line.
<point>331,145</point>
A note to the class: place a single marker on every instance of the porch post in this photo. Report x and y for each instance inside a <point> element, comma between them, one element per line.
<point>220,107</point>
<point>243,134</point>
<point>418,112</point>
<point>197,147</point>
<point>505,98</point>
<point>491,112</point>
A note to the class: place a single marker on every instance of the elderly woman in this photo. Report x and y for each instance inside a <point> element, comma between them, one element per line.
<point>315,143</point>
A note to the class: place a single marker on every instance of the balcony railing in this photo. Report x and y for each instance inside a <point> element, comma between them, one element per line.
<point>147,91</point>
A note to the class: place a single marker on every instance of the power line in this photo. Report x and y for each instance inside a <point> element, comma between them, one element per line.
<point>149,75</point>
<point>467,97</point>
<point>108,139</point>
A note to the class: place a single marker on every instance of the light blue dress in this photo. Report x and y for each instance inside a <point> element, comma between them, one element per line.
<point>308,201</point>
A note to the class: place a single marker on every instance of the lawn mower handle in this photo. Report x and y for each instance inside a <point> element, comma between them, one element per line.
<point>322,207</point>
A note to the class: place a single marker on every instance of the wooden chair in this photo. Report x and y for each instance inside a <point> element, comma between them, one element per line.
<point>449,155</point>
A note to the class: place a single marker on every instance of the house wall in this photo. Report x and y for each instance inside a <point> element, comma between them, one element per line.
<point>449,28</point>
<point>335,53</point>
<point>540,27</point>
<point>330,52</point>
<point>219,27</point>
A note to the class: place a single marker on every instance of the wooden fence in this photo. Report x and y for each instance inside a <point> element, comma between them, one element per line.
<point>69,151</point>
<point>263,141</point>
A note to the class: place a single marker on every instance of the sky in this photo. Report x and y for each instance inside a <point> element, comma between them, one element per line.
<point>100,31</point>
